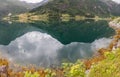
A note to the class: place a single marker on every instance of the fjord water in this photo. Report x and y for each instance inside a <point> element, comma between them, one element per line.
<point>46,43</point>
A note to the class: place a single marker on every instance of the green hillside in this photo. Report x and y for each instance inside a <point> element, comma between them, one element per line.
<point>74,7</point>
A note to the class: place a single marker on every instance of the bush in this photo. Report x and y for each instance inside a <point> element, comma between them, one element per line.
<point>109,67</point>
<point>74,70</point>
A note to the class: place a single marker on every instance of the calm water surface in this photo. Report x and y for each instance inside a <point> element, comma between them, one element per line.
<point>52,42</point>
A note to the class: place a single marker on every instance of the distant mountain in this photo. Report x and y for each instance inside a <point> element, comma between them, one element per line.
<point>79,7</point>
<point>14,6</point>
<point>114,7</point>
<point>41,3</point>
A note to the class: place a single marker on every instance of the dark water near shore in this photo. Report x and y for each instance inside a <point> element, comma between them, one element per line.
<point>65,32</point>
<point>46,43</point>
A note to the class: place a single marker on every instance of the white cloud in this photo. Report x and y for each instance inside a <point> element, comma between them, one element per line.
<point>42,49</point>
<point>33,47</point>
<point>118,1</point>
<point>32,1</point>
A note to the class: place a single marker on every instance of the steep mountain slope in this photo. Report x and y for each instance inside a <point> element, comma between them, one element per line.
<point>41,3</point>
<point>114,7</point>
<point>116,10</point>
<point>75,7</point>
<point>13,6</point>
<point>79,7</point>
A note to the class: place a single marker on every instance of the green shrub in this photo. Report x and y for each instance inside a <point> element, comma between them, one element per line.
<point>110,67</point>
<point>29,74</point>
<point>74,70</point>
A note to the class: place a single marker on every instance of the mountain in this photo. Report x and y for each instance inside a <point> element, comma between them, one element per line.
<point>41,3</point>
<point>79,7</point>
<point>14,6</point>
<point>114,7</point>
<point>116,10</point>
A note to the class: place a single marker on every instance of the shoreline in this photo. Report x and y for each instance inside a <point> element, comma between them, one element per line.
<point>115,43</point>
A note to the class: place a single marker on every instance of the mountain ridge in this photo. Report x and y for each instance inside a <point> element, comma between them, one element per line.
<point>79,7</point>
<point>15,7</point>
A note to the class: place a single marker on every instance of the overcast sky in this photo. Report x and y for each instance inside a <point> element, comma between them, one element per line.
<point>118,1</point>
<point>32,1</point>
<point>37,1</point>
